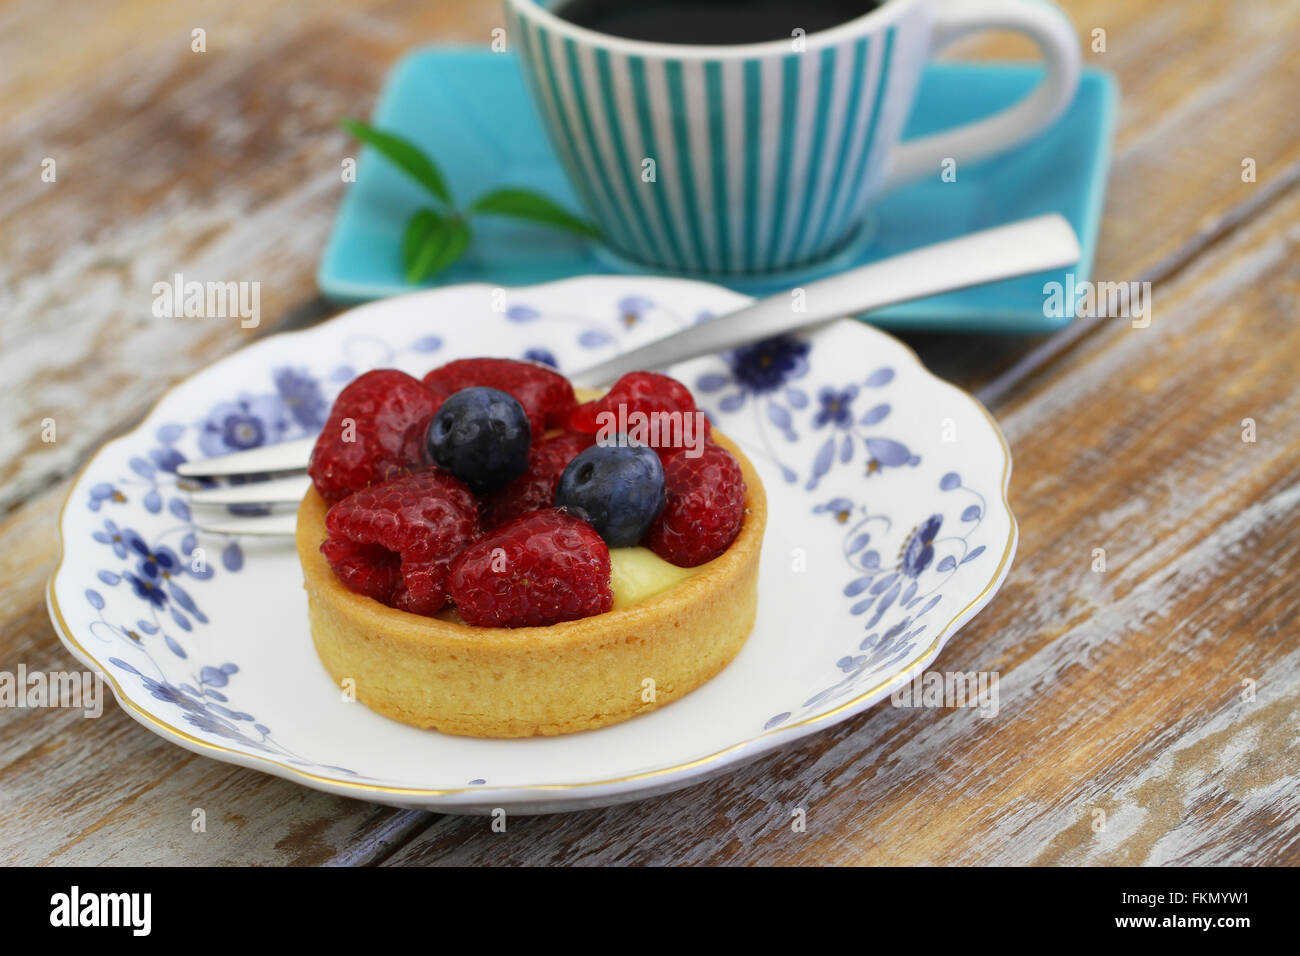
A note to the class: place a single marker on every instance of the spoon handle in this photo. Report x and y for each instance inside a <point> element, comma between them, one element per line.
<point>1004,252</point>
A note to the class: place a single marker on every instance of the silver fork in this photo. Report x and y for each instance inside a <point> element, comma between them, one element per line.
<point>1004,252</point>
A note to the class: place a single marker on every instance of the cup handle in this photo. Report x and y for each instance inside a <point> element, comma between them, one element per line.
<point>1046,25</point>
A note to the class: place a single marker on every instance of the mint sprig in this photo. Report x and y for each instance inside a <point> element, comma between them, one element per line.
<point>435,237</point>
<point>403,154</point>
<point>525,204</point>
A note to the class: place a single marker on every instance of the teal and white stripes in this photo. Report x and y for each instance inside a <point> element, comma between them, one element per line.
<point>716,166</point>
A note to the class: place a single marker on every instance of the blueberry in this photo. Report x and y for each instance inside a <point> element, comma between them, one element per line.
<point>618,489</point>
<point>482,436</point>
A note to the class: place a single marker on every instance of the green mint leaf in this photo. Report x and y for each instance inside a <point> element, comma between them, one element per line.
<point>418,227</point>
<point>442,245</point>
<point>525,204</point>
<point>404,154</point>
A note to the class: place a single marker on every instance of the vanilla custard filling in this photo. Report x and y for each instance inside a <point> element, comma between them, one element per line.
<point>638,573</point>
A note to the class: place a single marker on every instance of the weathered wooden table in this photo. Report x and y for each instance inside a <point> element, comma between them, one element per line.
<point>1164,691</point>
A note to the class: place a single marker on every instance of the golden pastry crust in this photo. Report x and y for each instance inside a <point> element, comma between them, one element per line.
<point>529,681</point>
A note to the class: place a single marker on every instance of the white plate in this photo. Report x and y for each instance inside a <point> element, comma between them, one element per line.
<point>888,529</point>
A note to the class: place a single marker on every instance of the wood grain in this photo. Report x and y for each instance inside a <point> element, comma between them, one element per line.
<point>1120,692</point>
<point>222,166</point>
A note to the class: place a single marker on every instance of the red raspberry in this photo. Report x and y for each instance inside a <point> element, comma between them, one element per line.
<point>546,395</point>
<point>368,569</point>
<point>540,569</point>
<point>644,391</point>
<point>668,452</point>
<point>375,430</point>
<point>395,541</point>
<point>649,393</point>
<point>643,384</point>
<point>703,511</point>
<point>535,488</point>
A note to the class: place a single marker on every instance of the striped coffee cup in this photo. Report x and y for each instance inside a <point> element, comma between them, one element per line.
<point>760,157</point>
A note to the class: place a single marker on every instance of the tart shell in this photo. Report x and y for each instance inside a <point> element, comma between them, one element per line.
<point>531,681</point>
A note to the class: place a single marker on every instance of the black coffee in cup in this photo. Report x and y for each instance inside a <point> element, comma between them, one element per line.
<point>710,21</point>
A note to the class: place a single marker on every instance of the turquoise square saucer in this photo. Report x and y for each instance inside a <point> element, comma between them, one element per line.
<point>470,110</point>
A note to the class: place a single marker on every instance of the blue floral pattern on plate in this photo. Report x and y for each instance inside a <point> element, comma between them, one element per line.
<point>151,570</point>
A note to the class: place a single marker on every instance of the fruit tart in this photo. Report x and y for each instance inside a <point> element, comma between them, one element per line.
<point>488,553</point>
